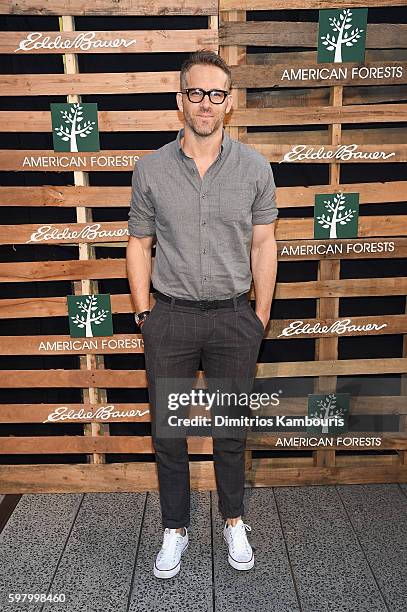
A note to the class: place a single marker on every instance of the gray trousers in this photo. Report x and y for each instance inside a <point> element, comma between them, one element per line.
<point>175,338</point>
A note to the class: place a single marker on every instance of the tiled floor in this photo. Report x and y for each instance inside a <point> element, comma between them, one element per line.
<point>317,549</point>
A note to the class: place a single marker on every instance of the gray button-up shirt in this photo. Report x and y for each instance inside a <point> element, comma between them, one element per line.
<point>203,226</point>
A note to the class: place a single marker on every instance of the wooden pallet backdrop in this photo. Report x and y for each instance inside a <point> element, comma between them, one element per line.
<point>231,30</point>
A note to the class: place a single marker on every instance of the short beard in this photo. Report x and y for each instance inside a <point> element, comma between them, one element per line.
<point>194,127</point>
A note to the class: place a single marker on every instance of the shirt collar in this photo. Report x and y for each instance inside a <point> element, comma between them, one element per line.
<point>225,145</point>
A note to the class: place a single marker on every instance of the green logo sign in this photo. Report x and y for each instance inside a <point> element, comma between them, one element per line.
<point>330,408</point>
<point>90,315</point>
<point>336,215</point>
<point>342,35</point>
<point>75,127</point>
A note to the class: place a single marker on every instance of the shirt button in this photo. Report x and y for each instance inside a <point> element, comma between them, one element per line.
<point>204,251</point>
<point>203,222</point>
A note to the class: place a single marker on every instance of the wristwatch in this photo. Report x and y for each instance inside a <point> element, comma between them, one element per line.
<point>140,317</point>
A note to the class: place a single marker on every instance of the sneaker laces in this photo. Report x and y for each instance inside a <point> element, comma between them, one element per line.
<point>239,539</point>
<point>170,540</point>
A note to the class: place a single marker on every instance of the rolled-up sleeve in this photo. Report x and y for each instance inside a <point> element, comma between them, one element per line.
<point>142,213</point>
<point>264,209</point>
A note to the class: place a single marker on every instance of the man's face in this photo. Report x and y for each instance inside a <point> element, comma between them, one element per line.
<point>204,118</point>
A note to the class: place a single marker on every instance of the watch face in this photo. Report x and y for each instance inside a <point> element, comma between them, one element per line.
<point>142,316</point>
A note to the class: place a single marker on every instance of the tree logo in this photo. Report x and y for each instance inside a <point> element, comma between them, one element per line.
<point>342,35</point>
<point>327,408</point>
<point>75,127</point>
<point>90,315</point>
<point>336,215</point>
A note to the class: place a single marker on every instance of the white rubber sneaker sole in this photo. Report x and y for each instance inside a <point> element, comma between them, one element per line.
<point>239,565</point>
<point>171,572</point>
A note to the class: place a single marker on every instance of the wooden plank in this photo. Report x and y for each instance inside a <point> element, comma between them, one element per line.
<point>132,379</point>
<point>65,196</point>
<point>86,252</point>
<point>294,56</point>
<point>315,153</point>
<point>265,5</point>
<point>349,440</point>
<point>326,347</point>
<point>365,460</point>
<point>287,250</point>
<point>44,445</point>
<point>341,460</point>
<point>123,160</point>
<point>64,233</point>
<point>116,268</point>
<point>140,412</point>
<point>284,329</point>
<point>56,306</point>
<point>78,413</point>
<point>40,445</point>
<point>109,7</point>
<point>296,250</point>
<point>53,306</point>
<point>288,229</point>
<point>26,379</point>
<point>318,115</point>
<point>62,270</point>
<point>102,197</point>
<point>130,121</point>
<point>60,233</point>
<point>304,34</point>
<point>177,7</point>
<point>311,75</point>
<point>320,96</point>
<point>89,83</point>
<point>384,135</point>
<point>65,345</point>
<point>50,161</point>
<point>55,478</point>
<point>403,391</point>
<point>263,476</point>
<point>111,41</point>
<point>108,121</point>
<point>394,365</point>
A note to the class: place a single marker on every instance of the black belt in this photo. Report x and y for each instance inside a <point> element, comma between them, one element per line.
<point>202,304</point>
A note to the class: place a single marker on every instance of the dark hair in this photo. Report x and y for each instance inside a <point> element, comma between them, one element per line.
<point>204,57</point>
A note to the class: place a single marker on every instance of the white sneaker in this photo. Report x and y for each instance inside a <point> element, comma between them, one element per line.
<point>240,554</point>
<point>168,560</point>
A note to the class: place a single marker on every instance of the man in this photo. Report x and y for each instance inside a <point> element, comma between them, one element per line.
<point>210,202</point>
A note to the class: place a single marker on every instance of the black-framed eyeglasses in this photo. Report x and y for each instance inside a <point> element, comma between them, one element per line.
<point>196,95</point>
